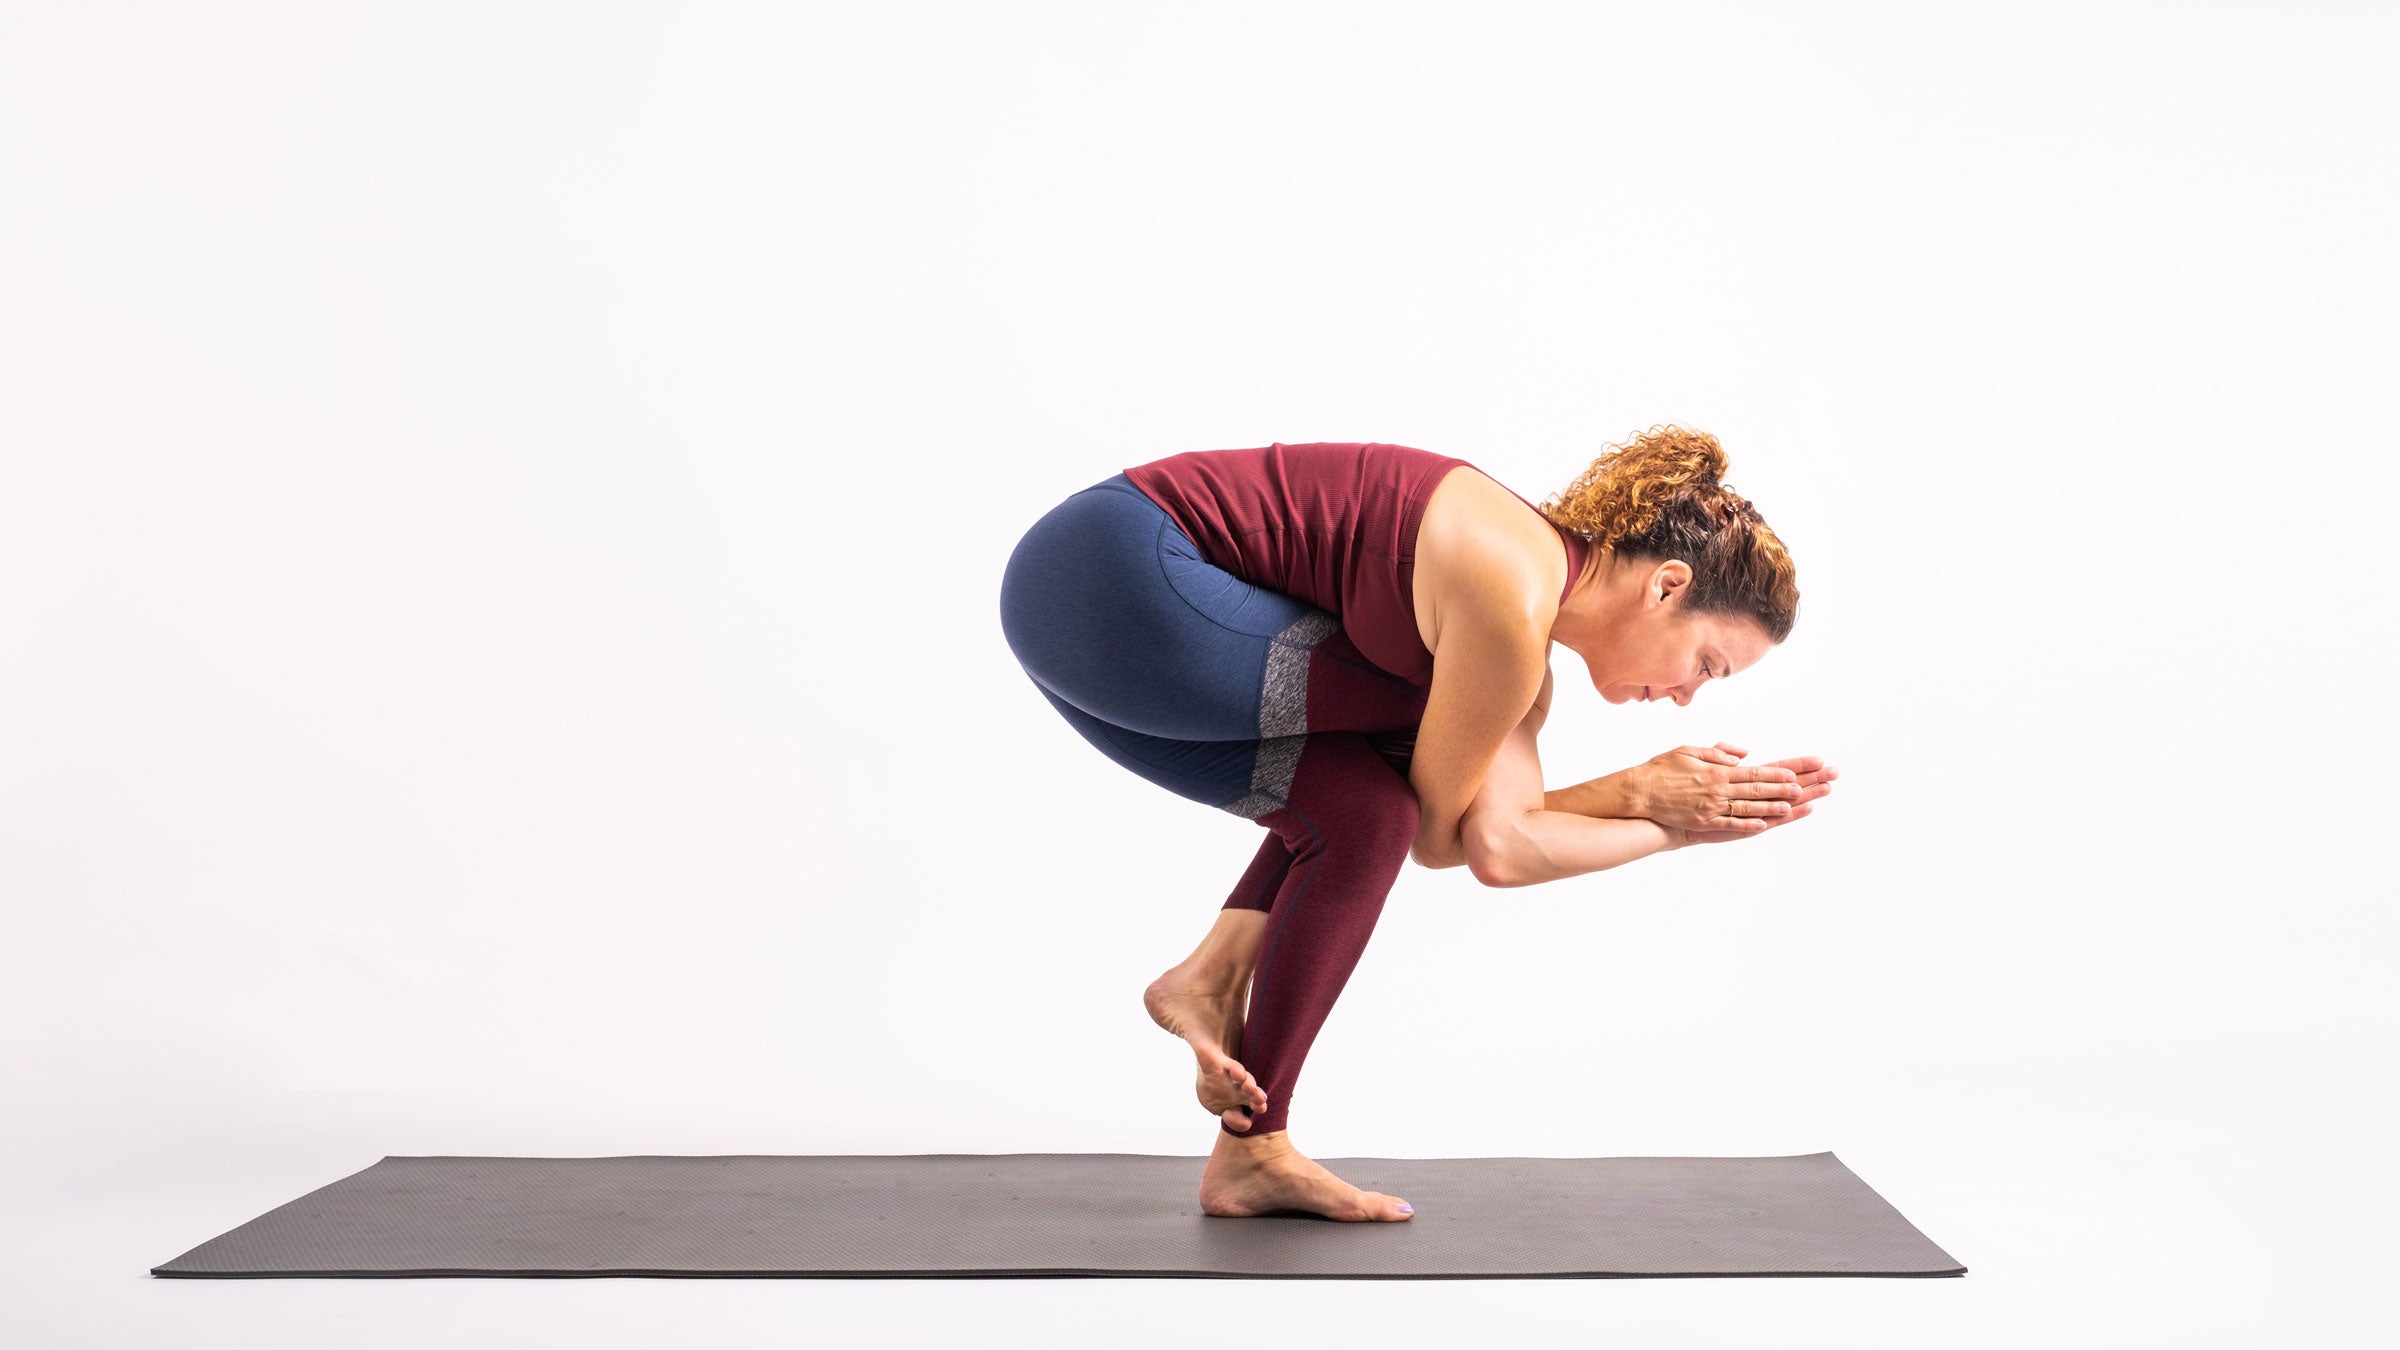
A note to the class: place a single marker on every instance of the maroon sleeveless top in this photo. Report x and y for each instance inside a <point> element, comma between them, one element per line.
<point>1333,523</point>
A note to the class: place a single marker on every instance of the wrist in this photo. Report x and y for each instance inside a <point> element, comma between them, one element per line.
<point>1616,796</point>
<point>1632,796</point>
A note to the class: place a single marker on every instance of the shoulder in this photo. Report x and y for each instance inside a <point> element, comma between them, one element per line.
<point>1482,543</point>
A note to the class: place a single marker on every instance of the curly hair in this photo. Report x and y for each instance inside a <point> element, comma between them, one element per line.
<point>1662,496</point>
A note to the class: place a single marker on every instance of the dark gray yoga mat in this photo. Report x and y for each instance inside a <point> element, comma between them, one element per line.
<point>1138,1214</point>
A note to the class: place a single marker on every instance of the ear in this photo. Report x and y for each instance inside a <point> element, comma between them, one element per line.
<point>1667,578</point>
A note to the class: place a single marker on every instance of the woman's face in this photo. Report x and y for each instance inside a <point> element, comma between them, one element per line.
<point>1644,645</point>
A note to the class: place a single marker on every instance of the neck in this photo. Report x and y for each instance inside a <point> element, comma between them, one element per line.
<point>1587,618</point>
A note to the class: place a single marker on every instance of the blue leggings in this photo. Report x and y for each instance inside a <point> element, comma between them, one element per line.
<point>1239,698</point>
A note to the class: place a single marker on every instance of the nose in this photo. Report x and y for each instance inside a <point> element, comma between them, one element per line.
<point>1682,694</point>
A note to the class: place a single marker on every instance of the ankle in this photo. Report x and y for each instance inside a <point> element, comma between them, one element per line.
<point>1218,977</point>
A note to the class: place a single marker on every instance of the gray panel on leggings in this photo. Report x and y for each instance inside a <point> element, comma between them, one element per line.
<point>1283,687</point>
<point>1272,769</point>
<point>1255,805</point>
<point>1134,1214</point>
<point>1282,715</point>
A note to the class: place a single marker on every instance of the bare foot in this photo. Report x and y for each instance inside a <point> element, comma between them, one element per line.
<point>1252,1176</point>
<point>1211,1019</point>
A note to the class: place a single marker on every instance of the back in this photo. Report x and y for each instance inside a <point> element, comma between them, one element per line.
<point>1333,523</point>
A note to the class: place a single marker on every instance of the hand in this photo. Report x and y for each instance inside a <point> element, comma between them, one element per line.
<point>1707,796</point>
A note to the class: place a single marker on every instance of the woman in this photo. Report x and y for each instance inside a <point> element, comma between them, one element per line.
<point>1349,644</point>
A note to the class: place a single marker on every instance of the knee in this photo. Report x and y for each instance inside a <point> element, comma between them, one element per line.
<point>1351,797</point>
<point>1381,822</point>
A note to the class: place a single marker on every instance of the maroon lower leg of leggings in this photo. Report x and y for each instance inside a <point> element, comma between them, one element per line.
<point>1332,853</point>
<point>1345,692</point>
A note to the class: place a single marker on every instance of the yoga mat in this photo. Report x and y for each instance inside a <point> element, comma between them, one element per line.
<point>1123,1214</point>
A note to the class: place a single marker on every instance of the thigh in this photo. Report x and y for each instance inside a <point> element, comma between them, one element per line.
<point>1212,773</point>
<point>1111,608</point>
<point>1255,779</point>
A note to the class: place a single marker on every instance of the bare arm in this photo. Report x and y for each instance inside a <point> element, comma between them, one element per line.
<point>1491,662</point>
<point>1512,839</point>
<point>1617,794</point>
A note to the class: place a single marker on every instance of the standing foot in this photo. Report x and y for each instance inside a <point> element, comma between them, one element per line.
<point>1247,1177</point>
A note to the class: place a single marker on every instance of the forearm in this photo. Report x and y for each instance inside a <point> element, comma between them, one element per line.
<point>1547,845</point>
<point>1617,796</point>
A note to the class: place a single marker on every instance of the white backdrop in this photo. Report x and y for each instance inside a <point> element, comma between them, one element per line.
<point>501,518</point>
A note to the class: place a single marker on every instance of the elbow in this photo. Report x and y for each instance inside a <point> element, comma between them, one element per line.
<point>1433,860</point>
<point>1439,852</point>
<point>1492,857</point>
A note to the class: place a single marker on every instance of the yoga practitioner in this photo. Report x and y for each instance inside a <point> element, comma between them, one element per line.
<point>1349,644</point>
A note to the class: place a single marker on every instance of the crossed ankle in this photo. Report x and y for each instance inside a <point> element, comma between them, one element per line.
<point>1222,980</point>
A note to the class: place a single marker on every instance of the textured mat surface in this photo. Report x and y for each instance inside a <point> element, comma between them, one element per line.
<point>1127,1214</point>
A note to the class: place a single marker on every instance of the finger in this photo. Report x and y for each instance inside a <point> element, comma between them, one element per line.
<point>1806,769</point>
<point>1756,824</point>
<point>1797,813</point>
<point>1756,806</point>
<point>1709,753</point>
<point>1730,748</point>
<point>1762,773</point>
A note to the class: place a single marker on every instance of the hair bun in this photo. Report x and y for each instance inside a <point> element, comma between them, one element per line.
<point>1663,495</point>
